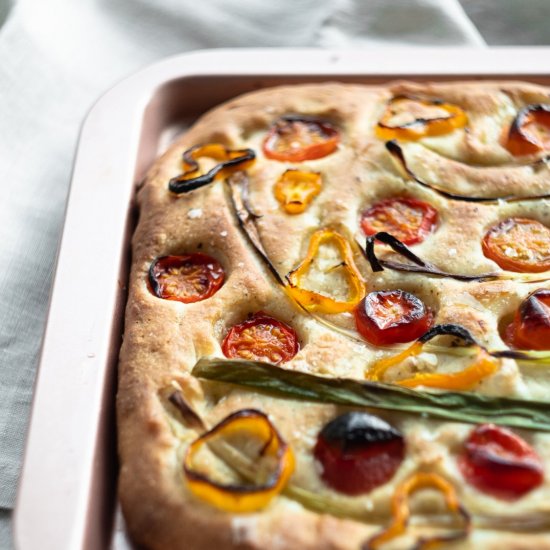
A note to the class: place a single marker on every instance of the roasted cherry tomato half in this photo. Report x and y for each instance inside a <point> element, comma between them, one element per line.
<point>189,278</point>
<point>518,244</point>
<point>392,316</point>
<point>530,328</point>
<point>409,220</point>
<point>500,463</point>
<point>530,131</point>
<point>295,138</point>
<point>358,452</point>
<point>261,338</point>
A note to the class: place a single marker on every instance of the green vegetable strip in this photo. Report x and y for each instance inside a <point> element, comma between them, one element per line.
<point>454,406</point>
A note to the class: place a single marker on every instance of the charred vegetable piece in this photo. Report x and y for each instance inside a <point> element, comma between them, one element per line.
<point>295,190</point>
<point>188,278</point>
<point>466,379</point>
<point>500,463</point>
<point>419,265</point>
<point>519,244</point>
<point>392,316</point>
<point>412,118</point>
<point>530,131</point>
<point>229,160</point>
<point>296,138</point>
<point>398,155</point>
<point>187,413</point>
<point>401,512</point>
<point>315,301</point>
<point>261,338</point>
<point>358,452</point>
<point>530,328</point>
<point>410,220</point>
<point>238,193</point>
<point>275,460</point>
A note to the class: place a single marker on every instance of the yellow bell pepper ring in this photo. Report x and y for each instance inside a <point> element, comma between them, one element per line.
<point>233,497</point>
<point>463,380</point>
<point>314,301</point>
<point>419,126</point>
<point>295,190</point>
<point>377,371</point>
<point>401,512</point>
<point>229,161</point>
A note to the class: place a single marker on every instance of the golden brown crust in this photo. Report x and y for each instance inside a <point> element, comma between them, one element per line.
<point>164,339</point>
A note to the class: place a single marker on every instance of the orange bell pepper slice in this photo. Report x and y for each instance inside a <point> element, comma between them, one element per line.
<point>295,190</point>
<point>464,380</point>
<point>401,511</point>
<point>419,127</point>
<point>229,161</point>
<point>315,301</point>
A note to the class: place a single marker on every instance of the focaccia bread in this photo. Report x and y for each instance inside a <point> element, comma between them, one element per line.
<point>338,313</point>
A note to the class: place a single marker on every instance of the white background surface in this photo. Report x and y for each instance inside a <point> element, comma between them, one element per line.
<point>58,56</point>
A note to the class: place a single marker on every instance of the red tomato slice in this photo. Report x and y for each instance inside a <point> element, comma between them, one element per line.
<point>295,138</point>
<point>518,244</point>
<point>189,278</point>
<point>530,131</point>
<point>358,452</point>
<point>530,328</point>
<point>500,463</point>
<point>261,338</point>
<point>409,220</point>
<point>391,317</point>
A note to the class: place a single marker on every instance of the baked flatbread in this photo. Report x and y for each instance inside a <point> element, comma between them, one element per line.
<point>271,226</point>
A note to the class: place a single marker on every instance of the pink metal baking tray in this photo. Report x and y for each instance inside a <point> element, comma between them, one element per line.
<point>67,491</point>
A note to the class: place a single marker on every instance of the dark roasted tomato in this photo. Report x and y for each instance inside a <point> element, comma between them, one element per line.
<point>358,452</point>
<point>500,463</point>
<point>189,278</point>
<point>295,138</point>
<point>530,328</point>
<point>518,244</point>
<point>261,338</point>
<point>392,316</point>
<point>409,220</point>
<point>530,131</point>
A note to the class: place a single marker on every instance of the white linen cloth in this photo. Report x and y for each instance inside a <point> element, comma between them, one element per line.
<point>57,57</point>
